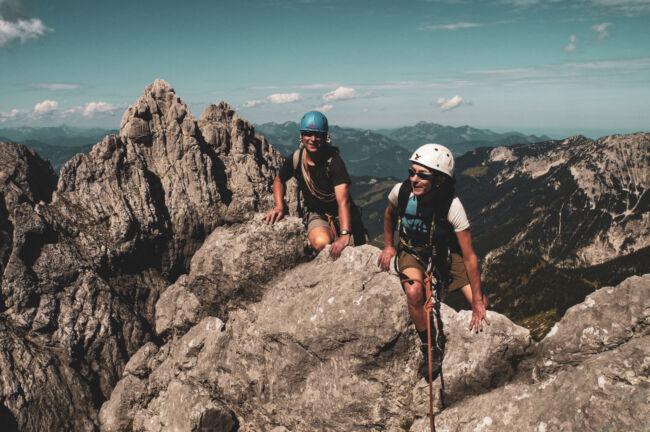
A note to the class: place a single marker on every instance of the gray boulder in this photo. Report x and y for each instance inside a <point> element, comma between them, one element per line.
<point>590,374</point>
<point>607,318</point>
<point>229,270</point>
<point>327,347</point>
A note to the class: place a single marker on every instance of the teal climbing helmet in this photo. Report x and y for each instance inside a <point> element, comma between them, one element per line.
<point>314,121</point>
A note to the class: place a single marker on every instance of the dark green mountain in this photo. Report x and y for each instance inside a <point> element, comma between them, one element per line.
<point>365,153</point>
<point>551,221</point>
<point>385,152</point>
<point>459,139</point>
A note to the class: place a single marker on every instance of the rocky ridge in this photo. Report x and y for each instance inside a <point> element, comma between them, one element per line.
<point>582,202</point>
<point>591,372</point>
<point>84,260</point>
<point>328,346</point>
<point>557,214</point>
<point>145,283</point>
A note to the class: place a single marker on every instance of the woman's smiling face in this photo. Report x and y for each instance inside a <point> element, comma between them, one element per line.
<point>421,179</point>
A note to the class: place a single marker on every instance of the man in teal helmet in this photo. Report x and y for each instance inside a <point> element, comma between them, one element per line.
<point>324,182</point>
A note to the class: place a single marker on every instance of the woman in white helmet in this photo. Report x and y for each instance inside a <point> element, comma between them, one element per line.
<point>432,221</point>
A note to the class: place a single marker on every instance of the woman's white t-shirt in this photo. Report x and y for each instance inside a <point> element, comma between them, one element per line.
<point>457,216</point>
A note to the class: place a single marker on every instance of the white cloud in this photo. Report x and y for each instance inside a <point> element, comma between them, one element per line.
<point>12,115</point>
<point>264,87</point>
<point>522,3</point>
<point>92,108</point>
<point>449,104</point>
<point>595,73</point>
<point>324,108</point>
<point>252,103</point>
<point>282,98</point>
<point>22,29</point>
<point>45,107</point>
<point>601,29</point>
<point>55,86</point>
<point>277,98</point>
<point>571,47</point>
<point>456,26</point>
<point>626,6</point>
<point>343,93</point>
<point>400,85</point>
<point>316,86</point>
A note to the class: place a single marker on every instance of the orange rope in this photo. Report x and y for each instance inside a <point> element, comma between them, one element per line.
<point>320,194</point>
<point>428,307</point>
<point>330,221</point>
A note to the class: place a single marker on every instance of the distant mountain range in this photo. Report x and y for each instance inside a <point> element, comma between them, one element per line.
<point>459,139</point>
<point>62,136</point>
<point>58,144</point>
<point>366,153</point>
<point>385,152</point>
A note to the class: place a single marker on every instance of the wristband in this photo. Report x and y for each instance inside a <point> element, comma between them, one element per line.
<point>345,232</point>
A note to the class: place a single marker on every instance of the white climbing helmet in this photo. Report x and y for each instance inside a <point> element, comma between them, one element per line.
<point>436,157</point>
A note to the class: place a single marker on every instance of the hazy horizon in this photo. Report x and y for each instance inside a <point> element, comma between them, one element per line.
<point>552,133</point>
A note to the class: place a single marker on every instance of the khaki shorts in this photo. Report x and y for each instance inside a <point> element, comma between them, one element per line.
<point>457,272</point>
<point>315,220</point>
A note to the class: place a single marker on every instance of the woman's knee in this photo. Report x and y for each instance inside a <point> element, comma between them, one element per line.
<point>414,293</point>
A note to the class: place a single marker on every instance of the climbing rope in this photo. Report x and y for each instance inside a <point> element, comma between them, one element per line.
<point>331,220</point>
<point>320,194</point>
<point>430,305</point>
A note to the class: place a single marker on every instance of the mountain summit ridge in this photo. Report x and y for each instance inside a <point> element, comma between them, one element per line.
<point>144,281</point>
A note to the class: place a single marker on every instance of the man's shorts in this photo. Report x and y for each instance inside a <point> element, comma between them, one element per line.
<point>457,272</point>
<point>314,220</point>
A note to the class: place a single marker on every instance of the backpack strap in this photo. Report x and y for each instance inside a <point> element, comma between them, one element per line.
<point>403,197</point>
<point>296,158</point>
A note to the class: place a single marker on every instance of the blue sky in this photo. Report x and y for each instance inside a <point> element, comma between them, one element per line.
<point>538,66</point>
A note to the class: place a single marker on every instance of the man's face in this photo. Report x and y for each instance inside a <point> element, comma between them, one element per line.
<point>313,141</point>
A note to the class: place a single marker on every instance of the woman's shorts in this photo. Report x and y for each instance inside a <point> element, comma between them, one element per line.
<point>457,272</point>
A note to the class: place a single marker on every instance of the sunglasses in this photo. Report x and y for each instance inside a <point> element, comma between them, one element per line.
<point>312,134</point>
<point>422,175</point>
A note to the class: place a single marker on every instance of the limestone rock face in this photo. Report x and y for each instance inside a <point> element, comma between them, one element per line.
<point>248,160</point>
<point>608,318</point>
<point>229,270</point>
<point>590,373</point>
<point>84,259</point>
<point>24,178</point>
<point>327,347</point>
<point>575,202</point>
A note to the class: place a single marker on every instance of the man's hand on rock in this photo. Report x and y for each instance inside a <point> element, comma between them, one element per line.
<point>386,256</point>
<point>338,246</point>
<point>479,314</point>
<point>274,215</point>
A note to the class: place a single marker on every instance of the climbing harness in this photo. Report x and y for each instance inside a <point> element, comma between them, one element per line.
<point>432,285</point>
